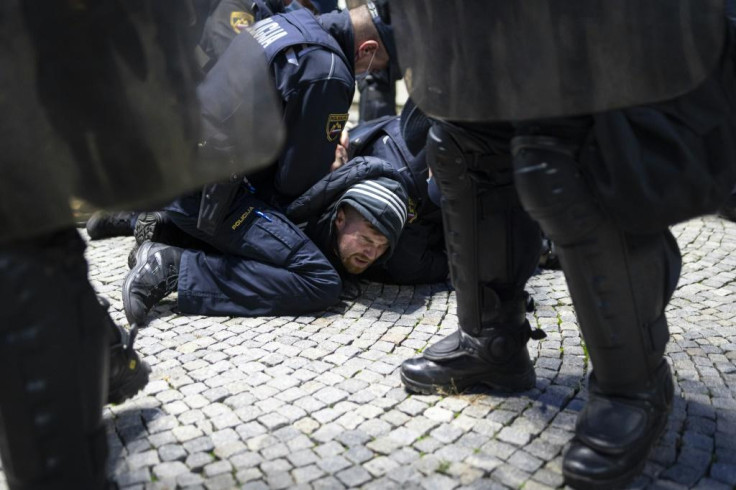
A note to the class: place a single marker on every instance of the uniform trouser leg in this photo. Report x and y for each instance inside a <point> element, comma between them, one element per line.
<point>264,265</point>
<point>54,350</point>
<point>620,284</point>
<point>492,247</point>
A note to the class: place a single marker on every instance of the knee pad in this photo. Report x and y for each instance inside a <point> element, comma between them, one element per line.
<point>553,190</point>
<point>460,160</point>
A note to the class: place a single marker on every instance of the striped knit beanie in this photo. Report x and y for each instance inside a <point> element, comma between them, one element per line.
<point>381,201</point>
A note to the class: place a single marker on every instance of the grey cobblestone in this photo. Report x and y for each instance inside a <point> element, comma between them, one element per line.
<point>316,401</point>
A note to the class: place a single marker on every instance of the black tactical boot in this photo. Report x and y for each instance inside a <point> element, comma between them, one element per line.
<point>614,434</point>
<point>155,276</point>
<point>107,225</point>
<point>496,357</point>
<point>148,226</point>
<point>157,226</point>
<point>128,374</point>
<point>147,229</point>
<point>492,248</point>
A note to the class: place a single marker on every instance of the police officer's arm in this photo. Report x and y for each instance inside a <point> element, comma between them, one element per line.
<point>315,115</point>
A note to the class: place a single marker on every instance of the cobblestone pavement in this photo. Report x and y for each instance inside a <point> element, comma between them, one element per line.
<point>316,401</point>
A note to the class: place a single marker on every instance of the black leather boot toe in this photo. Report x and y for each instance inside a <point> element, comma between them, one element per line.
<point>614,435</point>
<point>498,358</point>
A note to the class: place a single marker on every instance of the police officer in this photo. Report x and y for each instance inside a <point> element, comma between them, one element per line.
<point>264,264</point>
<point>313,62</point>
<point>71,127</point>
<point>603,167</point>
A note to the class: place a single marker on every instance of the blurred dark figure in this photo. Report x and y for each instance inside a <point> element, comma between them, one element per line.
<point>377,96</point>
<point>98,103</point>
<point>605,123</point>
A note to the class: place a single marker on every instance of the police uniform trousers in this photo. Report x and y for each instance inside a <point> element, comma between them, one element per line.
<point>263,264</point>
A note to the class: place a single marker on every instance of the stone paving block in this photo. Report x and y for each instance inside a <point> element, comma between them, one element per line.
<point>358,454</point>
<point>306,474</point>
<point>172,452</point>
<point>247,475</point>
<point>438,414</point>
<point>439,482</point>
<point>499,449</point>
<point>200,444</point>
<point>186,433</point>
<point>353,476</point>
<point>141,459</point>
<point>190,481</point>
<point>220,482</point>
<point>446,433</point>
<point>197,461</point>
<point>327,433</point>
<point>453,453</point>
<point>302,458</point>
<point>169,470</point>
<point>217,468</point>
<point>328,483</point>
<point>161,439</point>
<point>510,475</point>
<point>427,444</point>
<point>230,448</point>
<point>333,464</point>
<point>273,451</point>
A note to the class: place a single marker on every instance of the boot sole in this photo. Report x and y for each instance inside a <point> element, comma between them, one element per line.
<point>512,384</point>
<point>132,386</point>
<point>581,482</point>
<point>145,230</point>
<point>141,258</point>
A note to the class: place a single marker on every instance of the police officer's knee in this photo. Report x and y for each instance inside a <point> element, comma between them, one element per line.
<point>552,189</point>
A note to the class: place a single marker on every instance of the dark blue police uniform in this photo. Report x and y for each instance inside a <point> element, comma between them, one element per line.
<point>419,256</point>
<point>266,265</point>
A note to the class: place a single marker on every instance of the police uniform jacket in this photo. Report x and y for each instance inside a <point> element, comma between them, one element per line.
<point>311,62</point>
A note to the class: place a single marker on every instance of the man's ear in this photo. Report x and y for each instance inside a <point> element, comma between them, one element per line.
<point>367,48</point>
<point>340,219</point>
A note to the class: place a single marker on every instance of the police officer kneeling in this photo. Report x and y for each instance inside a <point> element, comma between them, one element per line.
<point>266,265</point>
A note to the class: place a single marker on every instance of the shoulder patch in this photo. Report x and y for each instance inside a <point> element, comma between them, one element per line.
<point>240,20</point>
<point>335,125</point>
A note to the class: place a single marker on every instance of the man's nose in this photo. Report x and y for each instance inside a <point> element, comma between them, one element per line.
<point>370,251</point>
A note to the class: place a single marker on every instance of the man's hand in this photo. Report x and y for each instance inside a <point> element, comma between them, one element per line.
<point>341,152</point>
